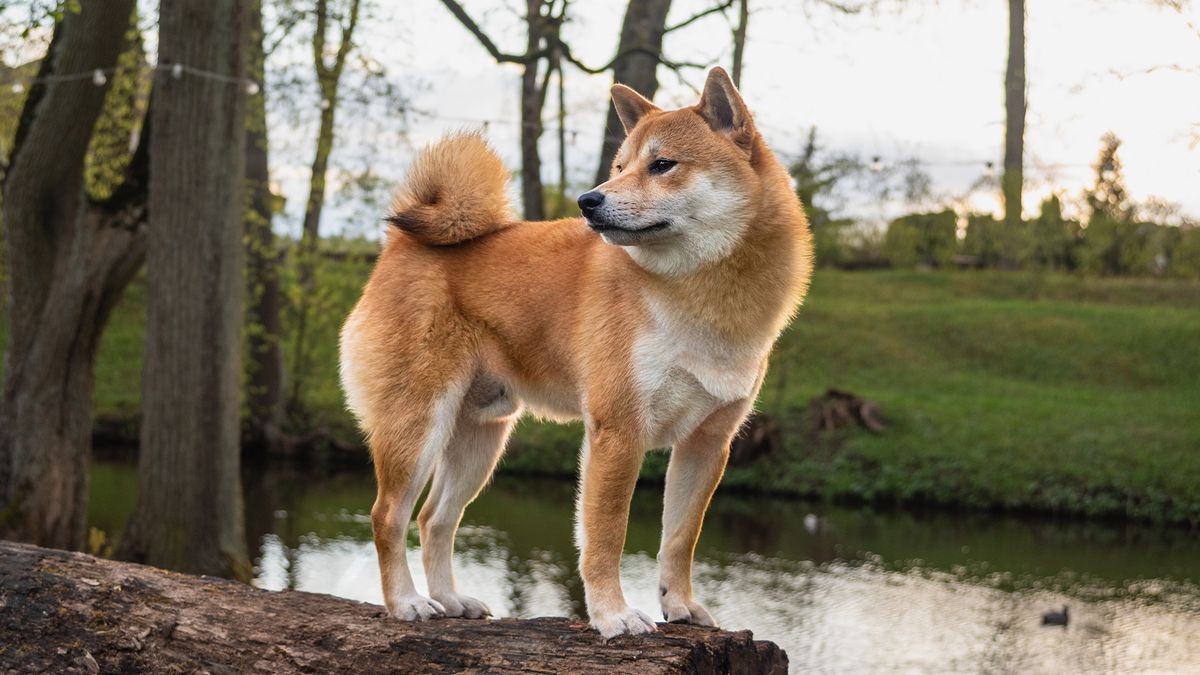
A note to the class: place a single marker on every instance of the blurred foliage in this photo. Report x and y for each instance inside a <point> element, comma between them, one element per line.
<point>1117,237</point>
<point>925,239</point>
<point>120,124</point>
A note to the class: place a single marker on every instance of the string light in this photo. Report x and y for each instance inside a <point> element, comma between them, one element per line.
<point>100,76</point>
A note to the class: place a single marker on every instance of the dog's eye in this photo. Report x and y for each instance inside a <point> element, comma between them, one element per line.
<point>619,168</point>
<point>659,166</point>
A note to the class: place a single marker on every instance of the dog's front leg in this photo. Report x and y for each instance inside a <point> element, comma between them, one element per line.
<point>693,472</point>
<point>611,461</point>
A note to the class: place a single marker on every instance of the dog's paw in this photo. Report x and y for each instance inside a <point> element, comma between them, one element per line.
<point>626,621</point>
<point>677,610</point>
<point>416,608</point>
<point>464,606</point>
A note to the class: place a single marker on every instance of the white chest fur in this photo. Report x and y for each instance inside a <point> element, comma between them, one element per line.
<point>684,370</point>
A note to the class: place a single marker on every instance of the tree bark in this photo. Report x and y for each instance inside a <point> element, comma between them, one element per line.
<point>189,511</point>
<point>265,388</point>
<point>636,66</point>
<point>67,611</point>
<point>739,41</point>
<point>532,97</point>
<point>69,260</point>
<point>1014,115</point>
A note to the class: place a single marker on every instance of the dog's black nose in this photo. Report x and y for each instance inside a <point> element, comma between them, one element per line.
<point>590,201</point>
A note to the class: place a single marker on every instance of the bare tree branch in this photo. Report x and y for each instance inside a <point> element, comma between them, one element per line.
<point>696,17</point>
<point>465,19</point>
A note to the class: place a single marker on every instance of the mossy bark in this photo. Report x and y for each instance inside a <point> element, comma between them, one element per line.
<point>68,612</point>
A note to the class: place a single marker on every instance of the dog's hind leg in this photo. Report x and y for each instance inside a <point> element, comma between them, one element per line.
<point>405,450</point>
<point>484,423</point>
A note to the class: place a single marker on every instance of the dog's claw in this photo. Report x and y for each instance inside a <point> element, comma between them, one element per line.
<point>687,611</point>
<point>417,608</point>
<point>457,605</point>
<point>627,621</point>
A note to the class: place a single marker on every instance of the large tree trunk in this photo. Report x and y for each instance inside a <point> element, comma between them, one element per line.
<point>636,66</point>
<point>1014,115</point>
<point>532,97</point>
<point>264,396</point>
<point>189,512</point>
<point>123,618</point>
<point>69,261</point>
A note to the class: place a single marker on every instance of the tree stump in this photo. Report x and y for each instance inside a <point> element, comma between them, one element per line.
<point>838,409</point>
<point>72,613</point>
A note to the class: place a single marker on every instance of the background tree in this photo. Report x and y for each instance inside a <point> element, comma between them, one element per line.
<point>818,176</point>
<point>1013,180</point>
<point>264,329</point>
<point>543,20</point>
<point>69,257</point>
<point>1109,242</point>
<point>636,65</point>
<point>189,514</point>
<point>329,76</point>
<point>739,41</point>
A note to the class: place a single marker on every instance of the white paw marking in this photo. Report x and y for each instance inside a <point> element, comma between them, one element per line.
<point>678,610</point>
<point>626,621</point>
<point>416,608</point>
<point>457,605</point>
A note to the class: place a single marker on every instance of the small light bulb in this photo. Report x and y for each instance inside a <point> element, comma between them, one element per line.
<point>98,78</point>
<point>252,87</point>
<point>177,71</point>
<point>18,88</point>
<point>325,104</point>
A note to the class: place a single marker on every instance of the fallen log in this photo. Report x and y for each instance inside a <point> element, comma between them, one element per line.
<point>69,612</point>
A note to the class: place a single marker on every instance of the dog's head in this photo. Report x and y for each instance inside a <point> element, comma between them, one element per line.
<point>681,187</point>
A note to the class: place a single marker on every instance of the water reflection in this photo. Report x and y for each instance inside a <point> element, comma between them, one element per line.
<point>842,590</point>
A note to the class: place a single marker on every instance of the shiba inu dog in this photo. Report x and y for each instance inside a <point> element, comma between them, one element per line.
<point>651,318</point>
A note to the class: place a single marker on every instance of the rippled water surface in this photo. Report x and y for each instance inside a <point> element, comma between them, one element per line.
<point>841,589</point>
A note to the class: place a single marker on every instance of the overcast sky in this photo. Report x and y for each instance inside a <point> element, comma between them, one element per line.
<point>923,81</point>
<point>912,79</point>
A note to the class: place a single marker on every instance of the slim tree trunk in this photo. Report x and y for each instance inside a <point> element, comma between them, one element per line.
<point>636,66</point>
<point>1014,112</point>
<point>68,260</point>
<point>562,143</point>
<point>532,96</point>
<point>189,514</point>
<point>739,41</point>
<point>264,397</point>
<point>328,79</point>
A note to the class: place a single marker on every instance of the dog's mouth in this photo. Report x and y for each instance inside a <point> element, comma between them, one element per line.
<point>624,236</point>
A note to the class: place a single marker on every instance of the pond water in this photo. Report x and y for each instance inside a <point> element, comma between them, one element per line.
<point>843,590</point>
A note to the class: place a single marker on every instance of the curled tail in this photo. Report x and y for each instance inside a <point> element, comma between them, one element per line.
<point>454,191</point>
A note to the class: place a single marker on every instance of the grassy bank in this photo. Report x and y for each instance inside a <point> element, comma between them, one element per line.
<point>1003,390</point>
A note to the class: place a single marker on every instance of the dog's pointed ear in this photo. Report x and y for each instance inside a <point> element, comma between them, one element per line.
<point>723,108</point>
<point>631,106</point>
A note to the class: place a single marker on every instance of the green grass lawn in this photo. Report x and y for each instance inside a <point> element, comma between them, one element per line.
<point>1010,390</point>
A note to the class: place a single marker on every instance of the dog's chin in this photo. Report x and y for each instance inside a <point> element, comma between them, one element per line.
<point>629,236</point>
